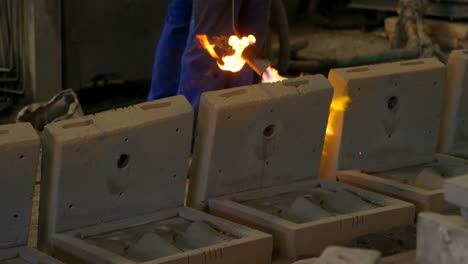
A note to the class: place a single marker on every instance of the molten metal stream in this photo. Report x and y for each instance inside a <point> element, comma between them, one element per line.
<point>331,148</point>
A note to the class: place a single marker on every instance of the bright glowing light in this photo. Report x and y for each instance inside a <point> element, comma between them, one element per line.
<point>271,75</point>
<point>233,62</point>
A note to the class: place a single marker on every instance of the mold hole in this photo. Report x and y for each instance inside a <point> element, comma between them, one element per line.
<point>435,83</point>
<point>233,93</point>
<point>70,206</point>
<point>155,106</point>
<point>389,135</point>
<point>412,63</point>
<point>229,117</point>
<point>21,156</point>
<point>465,52</point>
<point>174,176</point>
<point>270,131</point>
<point>15,216</point>
<point>177,130</point>
<point>392,103</point>
<point>126,139</point>
<point>123,161</point>
<point>362,69</point>
<point>4,132</point>
<point>296,83</point>
<point>78,124</point>
<point>121,194</point>
<point>267,163</point>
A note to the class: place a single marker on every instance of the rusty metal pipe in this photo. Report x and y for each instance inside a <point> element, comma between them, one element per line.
<point>259,65</point>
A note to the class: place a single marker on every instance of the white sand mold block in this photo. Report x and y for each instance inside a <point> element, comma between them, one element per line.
<point>454,132</point>
<point>256,161</point>
<point>390,131</point>
<point>19,148</point>
<point>114,186</point>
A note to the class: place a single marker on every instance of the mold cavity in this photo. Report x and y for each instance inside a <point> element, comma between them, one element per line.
<point>126,139</point>
<point>78,124</point>
<point>233,93</point>
<point>155,106</point>
<point>121,194</point>
<point>392,103</point>
<point>428,175</point>
<point>270,131</point>
<point>70,206</point>
<point>15,216</point>
<point>164,238</point>
<point>412,63</point>
<point>316,204</point>
<point>123,161</point>
<point>174,176</point>
<point>296,83</point>
<point>4,132</point>
<point>362,69</point>
<point>177,130</point>
<point>21,156</point>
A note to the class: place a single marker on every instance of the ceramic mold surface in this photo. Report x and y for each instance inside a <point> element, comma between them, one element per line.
<point>19,145</point>
<point>246,135</point>
<point>256,161</point>
<point>391,149</point>
<point>114,186</point>
<point>454,133</point>
<point>394,113</point>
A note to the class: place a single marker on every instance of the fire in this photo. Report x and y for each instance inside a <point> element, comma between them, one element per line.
<point>271,75</point>
<point>234,62</point>
<point>208,46</point>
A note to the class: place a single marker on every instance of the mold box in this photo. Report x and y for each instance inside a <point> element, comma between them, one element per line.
<point>261,145</point>
<point>19,145</point>
<point>401,103</point>
<point>454,132</point>
<point>114,187</point>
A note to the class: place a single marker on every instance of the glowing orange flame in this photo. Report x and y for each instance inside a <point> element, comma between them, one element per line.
<point>271,75</point>
<point>234,62</point>
<point>209,47</point>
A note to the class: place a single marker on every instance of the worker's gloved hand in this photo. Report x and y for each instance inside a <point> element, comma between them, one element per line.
<point>172,43</point>
<point>199,72</point>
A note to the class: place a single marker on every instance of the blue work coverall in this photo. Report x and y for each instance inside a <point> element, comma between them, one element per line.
<point>183,67</point>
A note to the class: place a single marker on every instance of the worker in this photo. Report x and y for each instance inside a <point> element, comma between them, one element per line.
<point>183,67</point>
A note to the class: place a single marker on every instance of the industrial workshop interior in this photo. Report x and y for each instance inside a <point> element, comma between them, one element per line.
<point>234,131</point>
